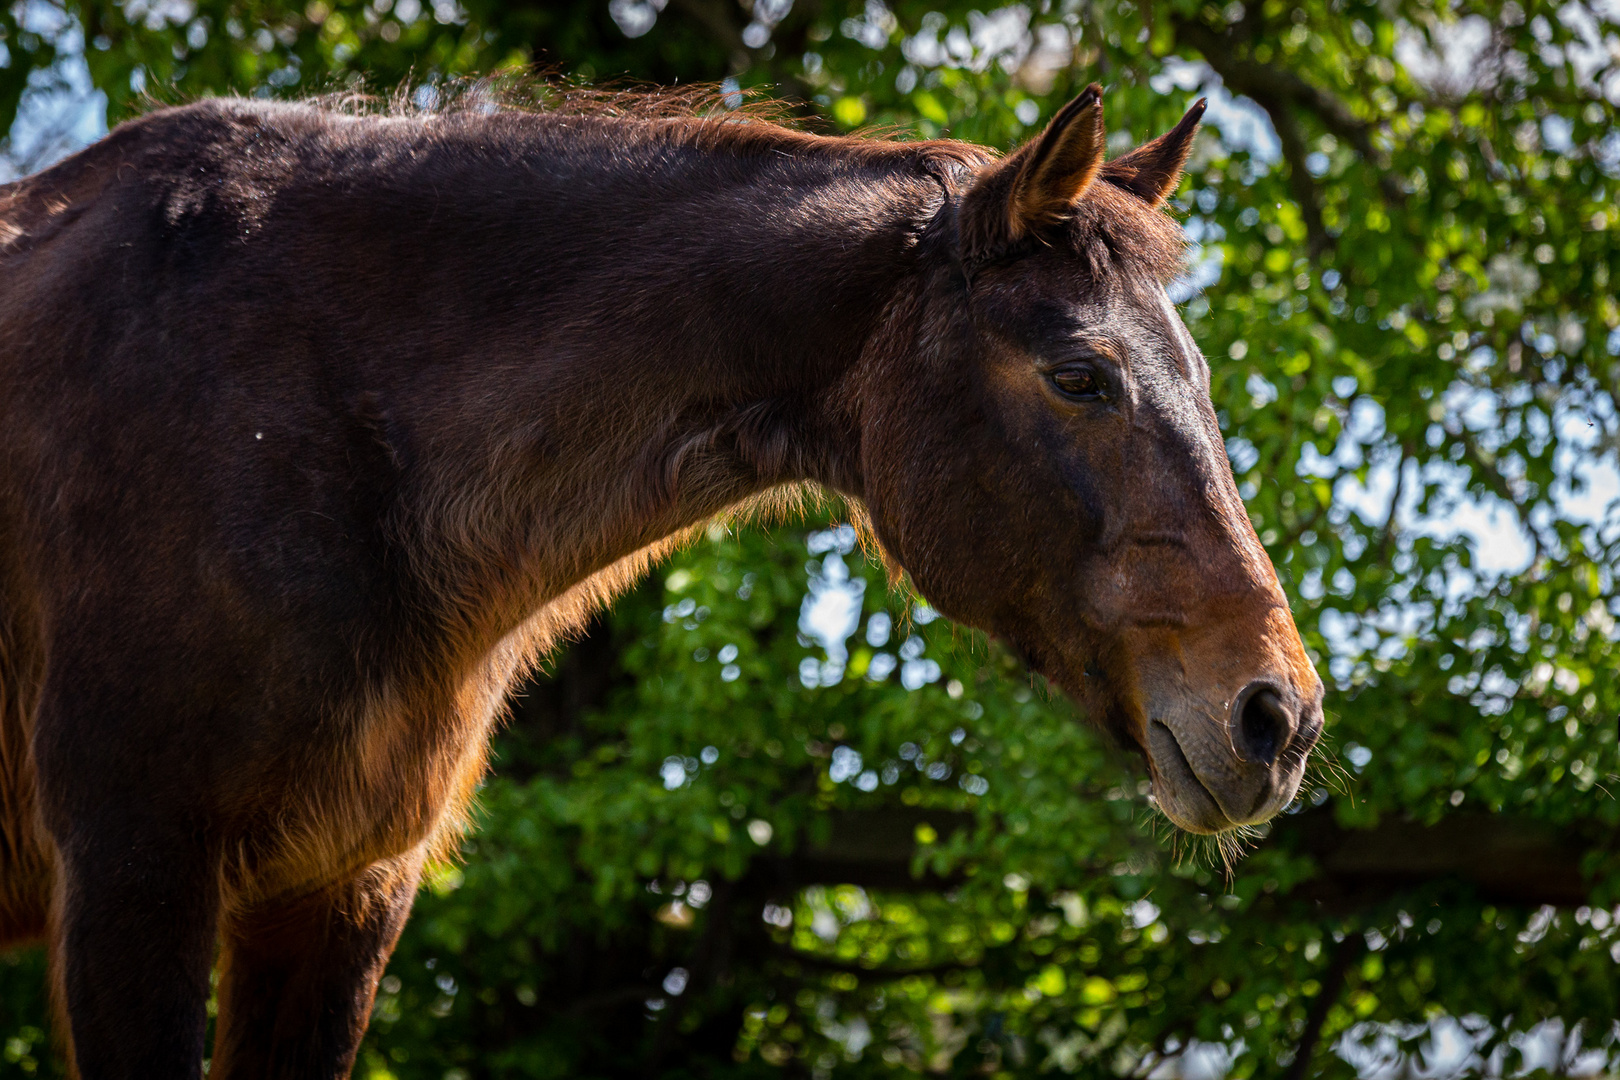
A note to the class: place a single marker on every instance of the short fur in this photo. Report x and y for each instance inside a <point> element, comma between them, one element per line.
<point>316,430</point>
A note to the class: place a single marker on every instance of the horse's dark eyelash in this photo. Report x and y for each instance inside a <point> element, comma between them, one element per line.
<point>1101,359</point>
<point>1096,361</point>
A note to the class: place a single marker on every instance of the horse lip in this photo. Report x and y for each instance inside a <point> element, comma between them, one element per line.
<point>1213,815</point>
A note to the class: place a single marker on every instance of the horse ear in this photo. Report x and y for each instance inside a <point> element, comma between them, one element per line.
<point>1038,184</point>
<point>1152,171</point>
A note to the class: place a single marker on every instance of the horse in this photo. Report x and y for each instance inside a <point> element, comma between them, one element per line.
<point>318,428</point>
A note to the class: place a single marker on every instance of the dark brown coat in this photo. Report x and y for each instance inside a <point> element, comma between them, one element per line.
<point>316,430</point>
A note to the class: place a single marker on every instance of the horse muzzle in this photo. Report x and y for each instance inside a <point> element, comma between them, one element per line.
<point>1215,770</point>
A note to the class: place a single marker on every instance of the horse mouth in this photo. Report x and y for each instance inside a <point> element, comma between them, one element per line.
<point>1182,796</point>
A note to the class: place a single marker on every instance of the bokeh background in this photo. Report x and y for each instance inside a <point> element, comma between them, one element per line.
<point>771,817</point>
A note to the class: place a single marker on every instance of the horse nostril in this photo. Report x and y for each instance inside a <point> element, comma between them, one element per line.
<point>1263,726</point>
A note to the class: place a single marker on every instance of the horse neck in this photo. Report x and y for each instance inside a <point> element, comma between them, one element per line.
<point>674,329</point>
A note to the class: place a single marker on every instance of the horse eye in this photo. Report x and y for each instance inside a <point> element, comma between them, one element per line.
<point>1079,382</point>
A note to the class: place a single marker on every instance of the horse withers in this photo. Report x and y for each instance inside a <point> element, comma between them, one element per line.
<point>317,429</point>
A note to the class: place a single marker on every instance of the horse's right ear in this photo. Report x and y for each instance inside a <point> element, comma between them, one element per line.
<point>1036,186</point>
<point>1152,171</point>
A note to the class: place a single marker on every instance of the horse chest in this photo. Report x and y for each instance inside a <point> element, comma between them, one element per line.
<point>399,776</point>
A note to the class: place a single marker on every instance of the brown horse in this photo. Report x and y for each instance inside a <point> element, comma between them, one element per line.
<point>316,429</point>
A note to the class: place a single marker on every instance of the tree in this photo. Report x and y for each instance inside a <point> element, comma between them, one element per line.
<point>694,860</point>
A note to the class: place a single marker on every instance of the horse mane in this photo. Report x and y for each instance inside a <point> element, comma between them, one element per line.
<point>1107,225</point>
<point>706,115</point>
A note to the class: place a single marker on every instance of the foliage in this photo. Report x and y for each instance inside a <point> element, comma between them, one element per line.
<point>1054,928</point>
<point>1407,273</point>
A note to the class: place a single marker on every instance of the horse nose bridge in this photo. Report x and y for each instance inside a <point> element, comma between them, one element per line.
<point>1188,492</point>
<point>1253,637</point>
<point>1196,457</point>
<point>1186,539</point>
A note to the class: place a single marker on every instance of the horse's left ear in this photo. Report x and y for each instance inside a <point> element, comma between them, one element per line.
<point>1152,171</point>
<point>1038,185</point>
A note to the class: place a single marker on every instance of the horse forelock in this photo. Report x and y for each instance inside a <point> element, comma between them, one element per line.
<point>1113,224</point>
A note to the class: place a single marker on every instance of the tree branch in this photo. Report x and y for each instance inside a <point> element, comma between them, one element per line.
<point>1506,859</point>
<point>1388,539</point>
<point>1294,152</point>
<point>1332,985</point>
<point>1275,89</point>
